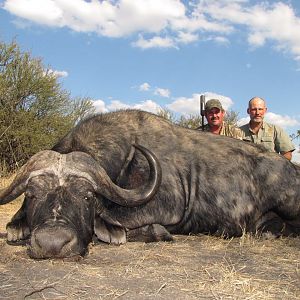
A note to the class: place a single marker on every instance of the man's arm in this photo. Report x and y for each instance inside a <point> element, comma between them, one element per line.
<point>283,143</point>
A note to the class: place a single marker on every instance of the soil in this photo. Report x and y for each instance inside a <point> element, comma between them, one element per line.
<point>192,267</point>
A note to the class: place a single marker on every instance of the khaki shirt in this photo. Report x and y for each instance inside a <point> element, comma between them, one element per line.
<point>272,137</point>
<point>228,130</point>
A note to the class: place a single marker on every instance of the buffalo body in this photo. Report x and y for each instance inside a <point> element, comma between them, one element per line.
<point>178,181</point>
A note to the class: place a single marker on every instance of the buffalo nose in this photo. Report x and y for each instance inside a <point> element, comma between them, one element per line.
<point>51,242</point>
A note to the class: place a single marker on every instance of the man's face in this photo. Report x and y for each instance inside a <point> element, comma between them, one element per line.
<point>215,116</point>
<point>257,110</point>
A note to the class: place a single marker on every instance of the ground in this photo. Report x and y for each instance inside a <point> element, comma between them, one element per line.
<point>192,267</point>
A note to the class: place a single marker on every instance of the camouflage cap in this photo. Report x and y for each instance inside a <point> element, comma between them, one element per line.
<point>213,103</point>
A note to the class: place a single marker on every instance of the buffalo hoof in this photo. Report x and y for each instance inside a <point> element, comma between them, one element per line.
<point>17,233</point>
<point>149,233</point>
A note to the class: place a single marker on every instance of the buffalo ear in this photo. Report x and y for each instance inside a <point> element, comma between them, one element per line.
<point>109,232</point>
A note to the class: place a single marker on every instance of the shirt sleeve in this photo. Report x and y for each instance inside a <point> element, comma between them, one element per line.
<point>282,141</point>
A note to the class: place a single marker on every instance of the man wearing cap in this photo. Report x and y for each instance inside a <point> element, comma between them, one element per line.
<point>257,131</point>
<point>214,114</point>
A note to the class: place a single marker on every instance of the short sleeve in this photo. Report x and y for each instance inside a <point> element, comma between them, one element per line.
<point>282,141</point>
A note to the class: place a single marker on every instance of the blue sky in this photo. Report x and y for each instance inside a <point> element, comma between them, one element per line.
<point>152,53</point>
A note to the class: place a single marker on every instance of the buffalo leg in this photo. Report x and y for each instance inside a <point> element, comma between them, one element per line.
<point>275,225</point>
<point>17,228</point>
<point>149,233</point>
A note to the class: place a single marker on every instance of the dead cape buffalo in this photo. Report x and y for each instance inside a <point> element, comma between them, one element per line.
<point>134,176</point>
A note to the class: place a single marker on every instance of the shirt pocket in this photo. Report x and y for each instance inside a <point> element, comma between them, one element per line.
<point>268,143</point>
<point>267,139</point>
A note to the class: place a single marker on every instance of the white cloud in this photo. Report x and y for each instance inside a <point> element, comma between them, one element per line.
<point>147,105</point>
<point>256,39</point>
<point>185,106</point>
<point>107,18</point>
<point>155,42</point>
<point>221,40</point>
<point>100,106</point>
<point>198,21</point>
<point>162,92</point>
<point>169,23</point>
<point>144,87</point>
<point>226,101</point>
<point>296,155</point>
<point>116,104</point>
<point>187,37</point>
<point>57,73</point>
<point>191,106</point>
<point>282,121</point>
<point>44,12</point>
<point>276,22</point>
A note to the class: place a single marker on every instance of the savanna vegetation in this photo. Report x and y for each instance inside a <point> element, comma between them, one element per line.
<point>195,121</point>
<point>35,110</point>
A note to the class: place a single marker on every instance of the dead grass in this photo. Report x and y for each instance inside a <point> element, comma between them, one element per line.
<point>193,267</point>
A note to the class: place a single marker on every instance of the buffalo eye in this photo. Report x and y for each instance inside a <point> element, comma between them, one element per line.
<point>89,196</point>
<point>29,195</point>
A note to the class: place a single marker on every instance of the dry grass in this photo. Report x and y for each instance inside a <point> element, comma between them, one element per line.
<point>193,267</point>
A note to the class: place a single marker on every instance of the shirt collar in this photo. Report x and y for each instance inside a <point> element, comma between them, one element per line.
<point>261,127</point>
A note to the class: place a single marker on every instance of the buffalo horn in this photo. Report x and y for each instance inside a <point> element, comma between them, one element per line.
<point>37,162</point>
<point>133,197</point>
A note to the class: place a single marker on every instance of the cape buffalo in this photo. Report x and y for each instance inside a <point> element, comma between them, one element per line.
<point>134,176</point>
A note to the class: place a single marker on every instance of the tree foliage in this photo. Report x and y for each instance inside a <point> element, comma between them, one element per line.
<point>191,121</point>
<point>35,111</point>
<point>195,121</point>
<point>295,136</point>
<point>231,117</point>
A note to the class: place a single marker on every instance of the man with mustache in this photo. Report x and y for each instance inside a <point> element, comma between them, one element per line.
<point>272,137</point>
<point>214,114</point>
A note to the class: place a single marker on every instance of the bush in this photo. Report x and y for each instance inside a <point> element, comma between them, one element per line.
<point>35,111</point>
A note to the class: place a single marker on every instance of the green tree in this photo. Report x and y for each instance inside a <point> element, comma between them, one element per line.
<point>167,114</point>
<point>295,136</point>
<point>231,117</point>
<point>191,121</point>
<point>35,111</point>
<point>195,121</point>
